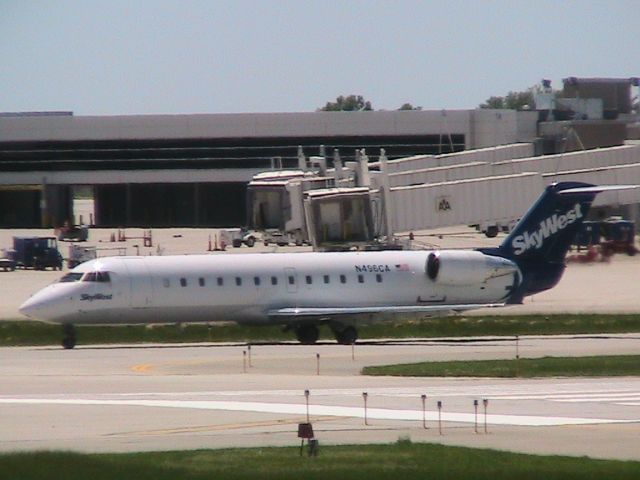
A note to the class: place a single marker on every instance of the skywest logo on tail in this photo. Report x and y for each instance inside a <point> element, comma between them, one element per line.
<point>548,227</point>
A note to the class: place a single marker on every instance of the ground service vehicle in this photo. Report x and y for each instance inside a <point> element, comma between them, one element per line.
<point>237,236</point>
<point>36,252</point>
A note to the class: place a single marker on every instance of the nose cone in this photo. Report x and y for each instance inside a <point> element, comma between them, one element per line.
<point>44,305</point>
<point>32,308</point>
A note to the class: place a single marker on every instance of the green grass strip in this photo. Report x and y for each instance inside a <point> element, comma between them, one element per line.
<point>401,460</point>
<point>614,365</point>
<point>14,333</point>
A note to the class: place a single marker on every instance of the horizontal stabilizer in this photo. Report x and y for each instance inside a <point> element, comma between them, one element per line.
<point>597,189</point>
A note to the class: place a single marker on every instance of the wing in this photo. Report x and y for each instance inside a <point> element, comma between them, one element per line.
<point>325,312</point>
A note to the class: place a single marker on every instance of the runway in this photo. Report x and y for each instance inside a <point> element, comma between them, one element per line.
<point>131,398</point>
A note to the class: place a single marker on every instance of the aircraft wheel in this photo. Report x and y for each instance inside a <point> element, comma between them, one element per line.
<point>346,336</point>
<point>69,339</point>
<point>307,334</point>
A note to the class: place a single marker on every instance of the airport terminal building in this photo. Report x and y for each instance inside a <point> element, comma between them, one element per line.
<point>193,170</point>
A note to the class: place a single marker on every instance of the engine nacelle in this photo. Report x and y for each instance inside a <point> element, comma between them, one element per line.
<point>451,267</point>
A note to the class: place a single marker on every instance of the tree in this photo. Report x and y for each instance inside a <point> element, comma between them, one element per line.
<point>513,100</point>
<point>408,106</point>
<point>347,104</point>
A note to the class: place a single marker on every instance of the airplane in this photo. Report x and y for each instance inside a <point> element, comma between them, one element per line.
<point>304,290</point>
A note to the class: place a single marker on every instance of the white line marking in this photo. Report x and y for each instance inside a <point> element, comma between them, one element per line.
<point>323,410</point>
<point>597,399</point>
<point>569,397</point>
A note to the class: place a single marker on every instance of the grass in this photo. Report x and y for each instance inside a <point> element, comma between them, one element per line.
<point>401,460</point>
<point>614,365</point>
<point>13,333</point>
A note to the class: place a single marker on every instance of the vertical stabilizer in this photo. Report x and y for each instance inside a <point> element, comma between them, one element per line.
<point>541,239</point>
<point>547,230</point>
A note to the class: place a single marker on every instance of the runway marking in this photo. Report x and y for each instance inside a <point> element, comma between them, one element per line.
<point>615,396</point>
<point>214,428</point>
<point>322,410</point>
<point>618,398</point>
<point>142,368</point>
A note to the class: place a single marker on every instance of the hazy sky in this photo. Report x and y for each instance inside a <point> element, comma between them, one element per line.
<point>116,57</point>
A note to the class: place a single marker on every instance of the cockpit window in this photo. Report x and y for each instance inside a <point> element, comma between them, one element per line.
<point>71,277</point>
<point>101,277</point>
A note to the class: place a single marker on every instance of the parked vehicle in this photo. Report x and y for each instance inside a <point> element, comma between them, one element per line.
<point>282,239</point>
<point>79,233</point>
<point>79,254</point>
<point>619,236</point>
<point>35,252</point>
<point>82,253</point>
<point>237,237</point>
<point>7,264</point>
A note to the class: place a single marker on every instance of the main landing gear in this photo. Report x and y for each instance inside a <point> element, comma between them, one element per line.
<point>346,335</point>
<point>69,336</point>
<point>308,334</point>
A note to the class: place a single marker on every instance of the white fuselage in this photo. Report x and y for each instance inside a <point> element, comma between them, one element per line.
<point>247,288</point>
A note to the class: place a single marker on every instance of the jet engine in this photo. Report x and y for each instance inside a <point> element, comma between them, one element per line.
<point>460,268</point>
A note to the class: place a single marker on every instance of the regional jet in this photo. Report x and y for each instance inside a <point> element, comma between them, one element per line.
<point>304,290</point>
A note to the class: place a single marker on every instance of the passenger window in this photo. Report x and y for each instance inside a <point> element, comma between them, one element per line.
<point>166,283</point>
<point>343,279</point>
<point>360,278</point>
<point>256,281</point>
<point>309,280</point>
<point>220,281</point>
<point>326,279</point>
<point>201,281</point>
<point>183,282</point>
<point>238,281</point>
<point>274,280</point>
<point>379,277</point>
<point>292,279</point>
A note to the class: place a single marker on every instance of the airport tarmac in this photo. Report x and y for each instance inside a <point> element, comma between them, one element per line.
<point>135,398</point>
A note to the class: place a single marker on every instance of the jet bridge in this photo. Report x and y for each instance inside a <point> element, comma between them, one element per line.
<point>365,209</point>
<point>340,218</point>
<point>275,204</point>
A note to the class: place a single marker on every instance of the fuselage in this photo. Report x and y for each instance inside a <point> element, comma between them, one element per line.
<point>245,288</point>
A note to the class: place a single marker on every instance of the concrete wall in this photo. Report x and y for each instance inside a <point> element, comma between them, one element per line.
<point>481,127</point>
<point>501,127</point>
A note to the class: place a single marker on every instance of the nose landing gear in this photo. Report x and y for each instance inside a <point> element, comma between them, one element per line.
<point>69,336</point>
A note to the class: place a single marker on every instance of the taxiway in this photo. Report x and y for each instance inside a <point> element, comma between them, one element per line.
<point>133,398</point>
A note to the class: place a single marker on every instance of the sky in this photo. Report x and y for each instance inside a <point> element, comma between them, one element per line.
<point>122,57</point>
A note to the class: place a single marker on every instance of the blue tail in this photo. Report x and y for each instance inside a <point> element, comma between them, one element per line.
<point>540,241</point>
